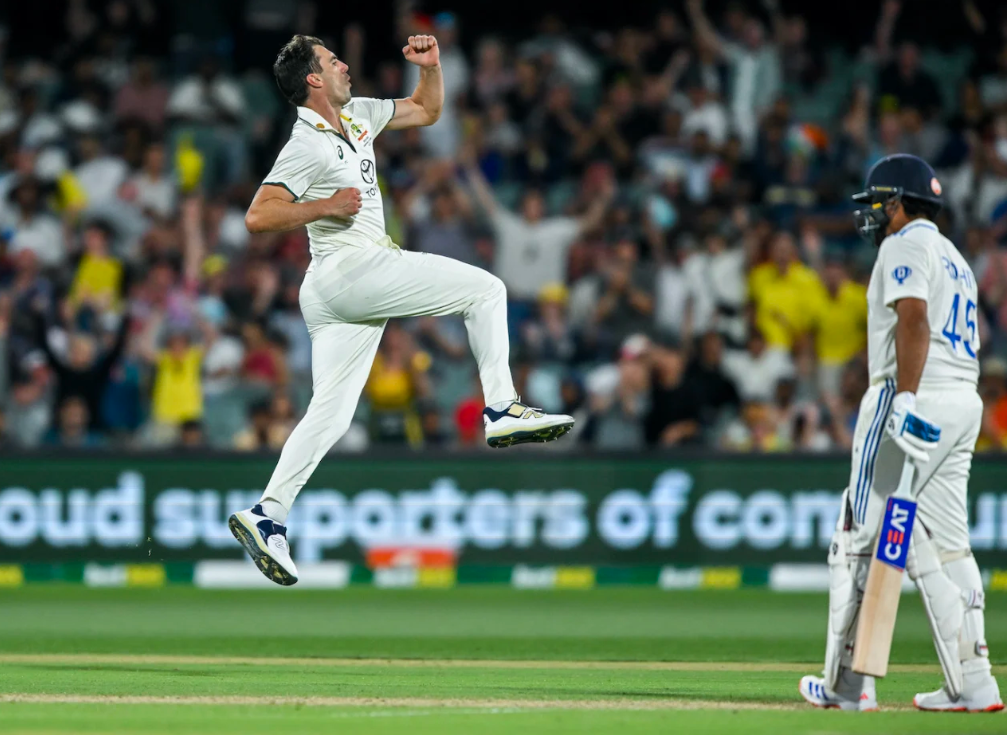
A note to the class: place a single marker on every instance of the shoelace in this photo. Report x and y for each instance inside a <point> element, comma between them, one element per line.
<point>530,412</point>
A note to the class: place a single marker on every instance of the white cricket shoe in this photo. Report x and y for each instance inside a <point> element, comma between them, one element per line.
<point>984,696</point>
<point>855,692</point>
<point>266,542</point>
<point>521,424</point>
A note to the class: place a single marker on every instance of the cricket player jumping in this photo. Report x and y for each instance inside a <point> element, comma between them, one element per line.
<point>922,403</point>
<point>325,178</point>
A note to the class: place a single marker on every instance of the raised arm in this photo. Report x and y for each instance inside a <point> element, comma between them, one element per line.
<point>596,212</point>
<point>974,17</point>
<point>886,27</point>
<point>5,319</point>
<point>146,343</point>
<point>705,32</point>
<point>109,360</point>
<point>274,209</point>
<point>194,245</point>
<point>674,70</point>
<point>424,106</point>
<point>779,24</point>
<point>477,182</point>
<point>42,338</point>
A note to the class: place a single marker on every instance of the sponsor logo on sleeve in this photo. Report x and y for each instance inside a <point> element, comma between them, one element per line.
<point>901,273</point>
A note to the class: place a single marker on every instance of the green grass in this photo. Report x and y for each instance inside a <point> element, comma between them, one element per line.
<point>290,721</point>
<point>75,643</point>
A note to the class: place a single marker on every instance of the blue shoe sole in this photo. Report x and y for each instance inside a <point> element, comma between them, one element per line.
<point>538,436</point>
<point>265,563</point>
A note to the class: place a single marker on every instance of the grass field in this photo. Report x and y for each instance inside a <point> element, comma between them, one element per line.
<point>469,660</point>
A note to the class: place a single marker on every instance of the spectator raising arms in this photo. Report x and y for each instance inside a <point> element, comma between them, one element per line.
<point>665,196</point>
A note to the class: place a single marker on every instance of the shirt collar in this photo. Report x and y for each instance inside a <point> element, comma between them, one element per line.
<point>315,120</point>
<point>918,222</point>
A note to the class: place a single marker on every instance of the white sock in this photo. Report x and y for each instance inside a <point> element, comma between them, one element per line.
<point>501,406</point>
<point>274,511</point>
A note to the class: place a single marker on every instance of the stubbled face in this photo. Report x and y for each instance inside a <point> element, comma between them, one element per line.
<point>81,352</point>
<point>670,362</point>
<point>909,59</point>
<point>444,207</point>
<point>95,242</point>
<point>153,159</point>
<point>74,415</point>
<point>177,345</point>
<point>335,76</point>
<point>533,207</point>
<point>834,275</point>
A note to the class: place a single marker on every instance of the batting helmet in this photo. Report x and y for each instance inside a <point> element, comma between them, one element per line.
<point>897,177</point>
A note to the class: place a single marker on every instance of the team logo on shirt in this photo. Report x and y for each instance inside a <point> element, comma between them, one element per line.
<point>367,170</point>
<point>339,149</point>
<point>901,273</point>
<point>357,130</point>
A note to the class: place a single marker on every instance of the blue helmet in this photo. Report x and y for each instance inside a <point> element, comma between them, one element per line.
<point>893,178</point>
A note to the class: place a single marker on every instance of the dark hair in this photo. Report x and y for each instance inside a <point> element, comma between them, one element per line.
<point>920,207</point>
<point>294,62</point>
<point>102,225</point>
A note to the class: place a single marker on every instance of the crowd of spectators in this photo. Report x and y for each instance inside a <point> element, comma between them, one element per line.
<point>667,205</point>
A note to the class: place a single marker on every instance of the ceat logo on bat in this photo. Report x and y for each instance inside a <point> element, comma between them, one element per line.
<point>893,546</point>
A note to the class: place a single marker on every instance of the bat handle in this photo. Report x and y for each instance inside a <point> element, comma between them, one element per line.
<point>905,488</point>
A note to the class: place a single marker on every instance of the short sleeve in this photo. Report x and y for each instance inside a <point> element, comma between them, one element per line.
<point>815,307</point>
<point>296,168</point>
<point>377,112</point>
<point>563,231</point>
<point>906,273</point>
<point>733,51</point>
<point>507,226</point>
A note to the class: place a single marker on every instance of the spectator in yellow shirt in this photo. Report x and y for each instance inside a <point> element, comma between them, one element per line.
<point>98,280</point>
<point>840,323</point>
<point>178,390</point>
<point>397,381</point>
<point>781,291</point>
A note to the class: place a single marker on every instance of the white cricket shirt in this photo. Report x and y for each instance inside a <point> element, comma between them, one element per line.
<point>919,262</point>
<point>317,161</point>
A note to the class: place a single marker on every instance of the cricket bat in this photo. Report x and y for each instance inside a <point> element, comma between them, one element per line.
<point>884,580</point>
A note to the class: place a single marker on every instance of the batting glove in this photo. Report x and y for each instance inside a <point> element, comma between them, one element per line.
<point>915,435</point>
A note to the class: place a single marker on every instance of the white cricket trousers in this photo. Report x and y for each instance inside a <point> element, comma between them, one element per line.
<point>941,485</point>
<point>346,298</point>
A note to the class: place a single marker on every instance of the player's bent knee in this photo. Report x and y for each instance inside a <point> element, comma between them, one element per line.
<point>495,288</point>
<point>335,430</point>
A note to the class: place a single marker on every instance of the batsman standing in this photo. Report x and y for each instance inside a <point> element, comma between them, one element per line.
<point>325,178</point>
<point>923,347</point>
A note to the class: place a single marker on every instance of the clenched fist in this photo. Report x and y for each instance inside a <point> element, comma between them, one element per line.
<point>422,51</point>
<point>344,203</point>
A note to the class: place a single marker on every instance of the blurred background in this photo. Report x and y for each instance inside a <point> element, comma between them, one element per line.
<point>663,187</point>
<point>664,191</point>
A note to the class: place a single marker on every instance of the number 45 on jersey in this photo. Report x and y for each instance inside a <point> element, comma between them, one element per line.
<point>951,326</point>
